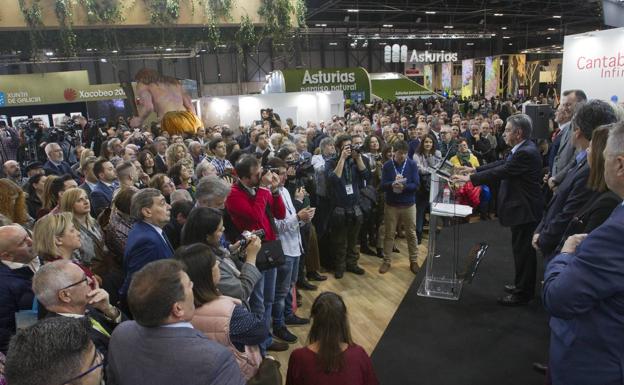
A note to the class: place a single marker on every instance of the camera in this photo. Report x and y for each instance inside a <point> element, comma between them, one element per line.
<point>244,241</point>
<point>357,148</point>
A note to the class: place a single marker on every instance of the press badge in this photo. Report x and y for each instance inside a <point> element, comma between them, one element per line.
<point>349,189</point>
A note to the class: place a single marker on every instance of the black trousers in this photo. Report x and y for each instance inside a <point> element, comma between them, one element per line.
<point>525,259</point>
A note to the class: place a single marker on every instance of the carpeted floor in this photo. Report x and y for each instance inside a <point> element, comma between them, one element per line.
<point>470,341</point>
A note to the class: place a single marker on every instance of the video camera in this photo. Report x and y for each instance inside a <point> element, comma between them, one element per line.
<point>30,127</point>
<point>246,235</point>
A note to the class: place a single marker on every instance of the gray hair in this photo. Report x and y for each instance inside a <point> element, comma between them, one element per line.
<point>211,187</point>
<point>50,147</point>
<point>49,279</point>
<point>615,143</point>
<point>289,145</point>
<point>201,167</point>
<point>193,144</point>
<point>329,141</point>
<point>141,200</point>
<point>523,123</point>
<point>181,195</point>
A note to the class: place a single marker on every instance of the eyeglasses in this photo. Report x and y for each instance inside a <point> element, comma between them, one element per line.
<point>84,279</point>
<point>96,357</point>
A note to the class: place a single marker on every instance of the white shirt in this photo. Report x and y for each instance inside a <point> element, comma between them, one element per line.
<point>34,265</point>
<point>179,325</point>
<point>288,228</point>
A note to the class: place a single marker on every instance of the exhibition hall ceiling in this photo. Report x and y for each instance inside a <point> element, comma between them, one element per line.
<point>524,24</point>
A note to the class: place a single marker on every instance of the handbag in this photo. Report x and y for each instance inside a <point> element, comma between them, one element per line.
<point>270,255</point>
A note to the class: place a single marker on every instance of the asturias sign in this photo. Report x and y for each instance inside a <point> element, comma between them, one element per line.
<point>349,80</point>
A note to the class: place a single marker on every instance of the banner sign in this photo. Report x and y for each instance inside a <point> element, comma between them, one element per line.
<point>492,75</point>
<point>594,62</point>
<point>54,88</point>
<point>447,77</point>
<point>349,80</point>
<point>467,78</point>
<point>517,74</point>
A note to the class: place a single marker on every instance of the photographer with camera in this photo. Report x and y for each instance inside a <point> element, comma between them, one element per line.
<point>290,238</point>
<point>237,267</point>
<point>254,202</point>
<point>273,119</point>
<point>345,175</point>
<point>9,143</point>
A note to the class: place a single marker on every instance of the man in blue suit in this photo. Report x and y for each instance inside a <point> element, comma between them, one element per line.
<point>162,347</point>
<point>56,165</point>
<point>519,204</point>
<point>102,193</point>
<point>146,240</point>
<point>584,293</point>
<point>573,192</point>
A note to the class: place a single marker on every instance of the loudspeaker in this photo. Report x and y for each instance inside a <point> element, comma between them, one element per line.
<point>540,115</point>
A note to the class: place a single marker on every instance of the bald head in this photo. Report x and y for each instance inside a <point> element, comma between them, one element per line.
<point>15,244</point>
<point>11,169</point>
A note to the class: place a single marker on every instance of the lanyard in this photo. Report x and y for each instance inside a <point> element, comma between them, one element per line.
<point>402,168</point>
<point>98,326</point>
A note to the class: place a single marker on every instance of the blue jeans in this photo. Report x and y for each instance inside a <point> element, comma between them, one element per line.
<point>261,301</point>
<point>286,277</point>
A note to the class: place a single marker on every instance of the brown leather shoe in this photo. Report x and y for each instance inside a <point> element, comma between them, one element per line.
<point>383,269</point>
<point>414,267</point>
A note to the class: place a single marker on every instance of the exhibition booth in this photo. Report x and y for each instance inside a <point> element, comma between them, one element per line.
<point>244,110</point>
<point>594,62</point>
<point>53,96</point>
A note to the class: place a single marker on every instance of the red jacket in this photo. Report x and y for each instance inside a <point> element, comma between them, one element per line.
<point>248,212</point>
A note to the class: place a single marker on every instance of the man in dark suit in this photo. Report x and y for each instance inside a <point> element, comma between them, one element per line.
<point>17,266</point>
<point>584,293</point>
<point>573,191</point>
<point>102,193</point>
<point>55,164</point>
<point>64,290</point>
<point>519,204</point>
<point>160,161</point>
<point>161,347</point>
<point>146,240</point>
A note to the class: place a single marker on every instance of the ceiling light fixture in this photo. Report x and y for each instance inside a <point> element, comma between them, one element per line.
<point>333,43</point>
<point>49,53</point>
<point>503,27</point>
<point>168,49</point>
<point>320,25</point>
<point>114,51</point>
<point>428,43</point>
<point>430,12</point>
<point>448,26</point>
<point>548,38</point>
<point>469,43</point>
<point>388,26</point>
<point>353,10</point>
<point>551,29</point>
<point>498,14</point>
<point>557,17</point>
<point>506,37</point>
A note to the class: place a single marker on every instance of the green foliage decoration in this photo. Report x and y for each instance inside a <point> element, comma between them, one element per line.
<point>34,20</point>
<point>64,14</point>
<point>163,12</point>
<point>103,11</point>
<point>246,35</point>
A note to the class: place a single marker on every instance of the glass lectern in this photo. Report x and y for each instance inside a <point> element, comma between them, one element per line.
<point>442,278</point>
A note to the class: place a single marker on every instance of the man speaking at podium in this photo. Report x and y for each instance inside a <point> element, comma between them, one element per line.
<point>520,203</point>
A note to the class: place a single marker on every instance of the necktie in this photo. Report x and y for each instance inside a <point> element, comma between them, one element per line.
<point>167,241</point>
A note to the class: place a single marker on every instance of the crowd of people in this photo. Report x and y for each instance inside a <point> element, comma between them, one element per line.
<point>156,248</point>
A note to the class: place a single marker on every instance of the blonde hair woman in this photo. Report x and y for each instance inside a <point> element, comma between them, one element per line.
<point>76,202</point>
<point>55,237</point>
<point>49,200</point>
<point>175,153</point>
<point>13,202</point>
